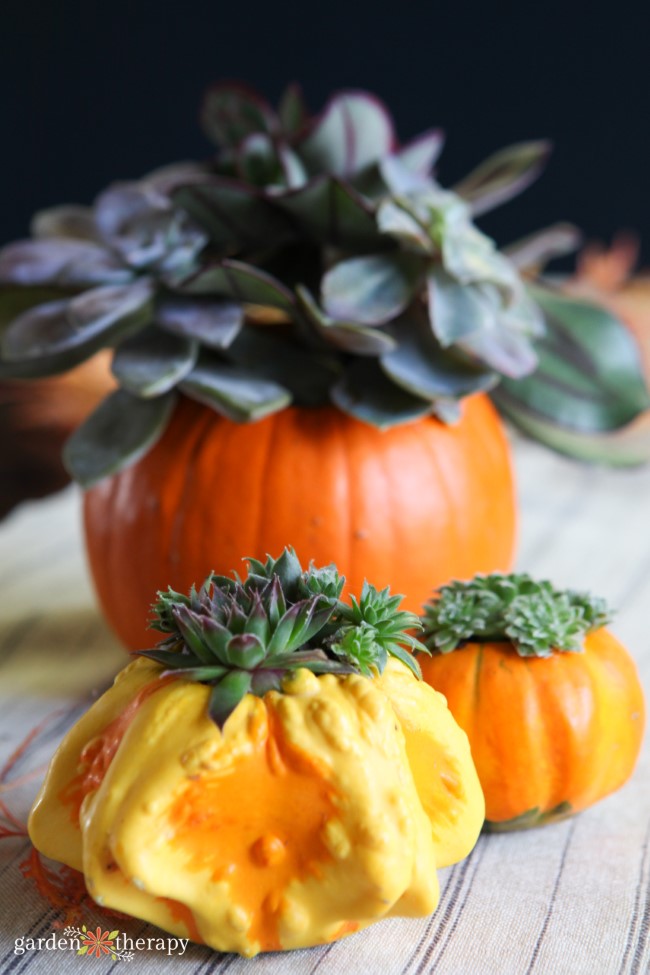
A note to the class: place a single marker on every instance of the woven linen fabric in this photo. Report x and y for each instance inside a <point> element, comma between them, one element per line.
<point>567,899</point>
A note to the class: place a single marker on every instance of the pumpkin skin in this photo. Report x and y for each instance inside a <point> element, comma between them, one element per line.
<point>409,507</point>
<point>549,736</point>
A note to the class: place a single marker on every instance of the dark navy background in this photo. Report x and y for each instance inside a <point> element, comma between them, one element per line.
<point>96,91</point>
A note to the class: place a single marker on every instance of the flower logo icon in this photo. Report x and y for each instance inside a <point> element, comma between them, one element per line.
<point>98,942</point>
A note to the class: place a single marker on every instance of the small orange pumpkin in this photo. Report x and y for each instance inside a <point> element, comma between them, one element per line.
<point>410,506</point>
<point>550,734</point>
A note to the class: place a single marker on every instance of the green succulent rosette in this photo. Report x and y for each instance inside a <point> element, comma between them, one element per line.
<point>534,616</point>
<point>244,636</point>
<point>311,260</point>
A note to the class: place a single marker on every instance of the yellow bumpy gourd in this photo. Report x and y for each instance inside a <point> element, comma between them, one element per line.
<point>314,812</point>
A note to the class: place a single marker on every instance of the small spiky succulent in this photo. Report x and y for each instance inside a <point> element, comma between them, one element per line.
<point>311,260</point>
<point>534,616</point>
<point>244,636</point>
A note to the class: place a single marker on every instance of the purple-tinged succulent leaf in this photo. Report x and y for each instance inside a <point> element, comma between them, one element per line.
<point>141,224</point>
<point>300,622</point>
<point>590,376</point>
<point>398,178</point>
<point>471,257</point>
<point>354,130</point>
<point>295,174</point>
<point>69,220</point>
<point>292,109</point>
<point>153,362</point>
<point>258,162</point>
<point>532,253</point>
<point>423,368</point>
<point>315,660</point>
<point>347,336</point>
<point>232,110</point>
<point>306,374</point>
<point>245,650</point>
<point>59,334</point>
<point>328,211</point>
<point>234,214</point>
<point>244,283</point>
<point>60,262</point>
<point>421,154</point>
<point>456,310</point>
<point>120,431</point>
<point>165,179</point>
<point>215,323</point>
<point>371,290</point>
<point>366,393</point>
<point>207,674</point>
<point>396,220</point>
<point>507,351</point>
<point>227,694</point>
<point>238,394</point>
<point>503,175</point>
<point>626,447</point>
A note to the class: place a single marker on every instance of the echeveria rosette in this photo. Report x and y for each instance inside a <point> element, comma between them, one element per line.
<point>310,260</point>
<point>532,615</point>
<point>245,636</point>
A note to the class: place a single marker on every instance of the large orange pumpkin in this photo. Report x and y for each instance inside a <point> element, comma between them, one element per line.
<point>549,736</point>
<point>409,507</point>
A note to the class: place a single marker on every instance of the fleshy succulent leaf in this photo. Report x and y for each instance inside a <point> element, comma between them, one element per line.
<point>139,222</point>
<point>534,616</point>
<point>231,111</point>
<point>292,110</point>
<point>233,213</point>
<point>239,281</point>
<point>532,253</point>
<point>354,130</point>
<point>371,290</point>
<point>421,154</point>
<point>307,375</point>
<point>238,394</point>
<point>69,220</point>
<point>227,694</point>
<point>367,393</point>
<point>503,175</point>
<point>347,336</point>
<point>118,432</point>
<point>423,368</point>
<point>589,378</point>
<point>212,322</point>
<point>153,362</point>
<point>328,211</point>
<point>60,262</point>
<point>59,334</point>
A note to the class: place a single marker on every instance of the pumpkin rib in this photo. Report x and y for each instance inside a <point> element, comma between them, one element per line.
<point>452,532</point>
<point>178,536</point>
<point>275,427</point>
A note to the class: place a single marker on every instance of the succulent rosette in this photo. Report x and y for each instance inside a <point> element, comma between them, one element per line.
<point>310,260</point>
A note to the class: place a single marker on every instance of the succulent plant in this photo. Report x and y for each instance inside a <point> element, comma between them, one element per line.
<point>311,260</point>
<point>534,616</point>
<point>245,636</point>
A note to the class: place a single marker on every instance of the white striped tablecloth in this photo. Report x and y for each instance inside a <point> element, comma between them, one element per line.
<point>566,899</point>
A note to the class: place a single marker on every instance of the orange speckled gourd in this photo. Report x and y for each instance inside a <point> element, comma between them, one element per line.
<point>411,506</point>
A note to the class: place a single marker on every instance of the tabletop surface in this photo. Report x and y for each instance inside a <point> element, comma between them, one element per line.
<point>568,898</point>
